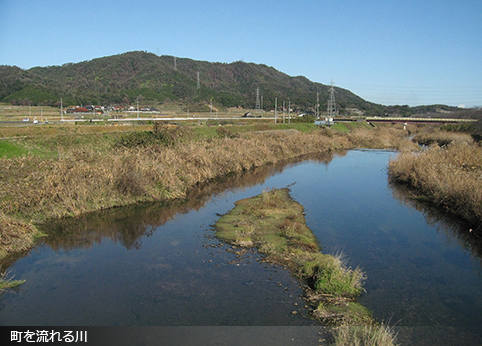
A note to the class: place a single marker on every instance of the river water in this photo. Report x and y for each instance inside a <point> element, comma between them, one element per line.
<point>160,265</point>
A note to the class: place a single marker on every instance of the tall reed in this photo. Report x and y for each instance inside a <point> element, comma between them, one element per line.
<point>450,178</point>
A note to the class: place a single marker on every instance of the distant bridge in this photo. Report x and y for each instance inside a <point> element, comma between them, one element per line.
<point>418,120</point>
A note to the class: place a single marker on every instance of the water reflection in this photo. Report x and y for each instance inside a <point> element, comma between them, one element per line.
<point>151,265</point>
<point>466,235</point>
<point>127,225</point>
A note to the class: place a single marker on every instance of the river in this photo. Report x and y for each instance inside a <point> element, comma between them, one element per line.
<point>160,265</point>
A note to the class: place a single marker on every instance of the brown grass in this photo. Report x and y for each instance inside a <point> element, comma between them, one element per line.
<point>374,335</point>
<point>450,178</point>
<point>88,177</point>
<point>15,236</point>
<point>442,138</point>
<point>380,138</point>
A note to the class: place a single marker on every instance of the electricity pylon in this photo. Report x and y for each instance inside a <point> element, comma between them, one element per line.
<point>331,103</point>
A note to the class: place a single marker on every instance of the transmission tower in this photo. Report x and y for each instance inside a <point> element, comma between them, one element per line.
<point>331,102</point>
<point>175,65</point>
<point>198,85</point>
<point>257,100</point>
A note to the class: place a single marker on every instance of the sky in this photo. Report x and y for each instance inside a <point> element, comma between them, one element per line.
<point>414,52</point>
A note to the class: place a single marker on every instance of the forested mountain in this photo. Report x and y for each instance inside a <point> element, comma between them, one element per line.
<point>121,79</point>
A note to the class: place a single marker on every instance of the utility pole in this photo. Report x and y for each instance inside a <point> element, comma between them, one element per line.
<point>283,111</point>
<point>257,100</point>
<point>275,109</point>
<point>175,65</point>
<point>211,106</point>
<point>61,110</point>
<point>198,85</point>
<point>138,108</point>
<point>289,112</point>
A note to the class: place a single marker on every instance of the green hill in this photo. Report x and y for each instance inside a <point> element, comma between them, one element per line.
<point>121,79</point>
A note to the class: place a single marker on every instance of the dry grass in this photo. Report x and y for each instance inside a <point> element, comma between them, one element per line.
<point>82,180</point>
<point>66,130</point>
<point>442,138</point>
<point>374,335</point>
<point>15,235</point>
<point>450,177</point>
<point>93,174</point>
<point>380,138</point>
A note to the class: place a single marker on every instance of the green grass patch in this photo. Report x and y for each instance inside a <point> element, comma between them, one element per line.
<point>274,223</point>
<point>11,149</point>
<point>347,127</point>
<point>4,284</point>
<point>340,127</point>
<point>330,276</point>
<point>342,313</point>
<point>204,132</point>
<point>271,220</point>
<point>303,127</point>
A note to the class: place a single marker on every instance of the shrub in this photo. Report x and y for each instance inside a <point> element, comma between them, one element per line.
<point>161,134</point>
<point>223,132</point>
<point>329,275</point>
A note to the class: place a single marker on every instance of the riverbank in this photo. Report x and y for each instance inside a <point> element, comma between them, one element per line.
<point>274,224</point>
<point>88,172</point>
<point>449,178</point>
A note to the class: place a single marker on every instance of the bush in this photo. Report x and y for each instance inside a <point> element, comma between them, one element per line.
<point>223,132</point>
<point>161,134</point>
<point>329,275</point>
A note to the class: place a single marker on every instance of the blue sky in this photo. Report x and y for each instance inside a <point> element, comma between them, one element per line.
<point>389,52</point>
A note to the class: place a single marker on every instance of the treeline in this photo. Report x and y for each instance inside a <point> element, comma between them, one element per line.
<point>122,79</point>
